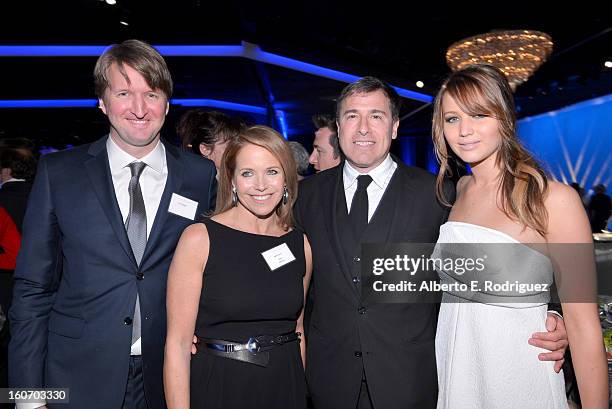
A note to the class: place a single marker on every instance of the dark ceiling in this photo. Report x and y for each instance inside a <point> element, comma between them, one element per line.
<point>398,44</point>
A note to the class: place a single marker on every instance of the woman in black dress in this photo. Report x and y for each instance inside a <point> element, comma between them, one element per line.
<point>238,281</point>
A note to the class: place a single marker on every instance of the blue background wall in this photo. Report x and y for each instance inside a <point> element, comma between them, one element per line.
<point>574,143</point>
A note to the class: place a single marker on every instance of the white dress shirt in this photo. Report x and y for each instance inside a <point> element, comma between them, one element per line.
<point>152,183</point>
<point>11,180</point>
<point>381,175</point>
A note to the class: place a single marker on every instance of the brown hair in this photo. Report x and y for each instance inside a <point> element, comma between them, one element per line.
<point>21,162</point>
<point>141,57</point>
<point>208,127</point>
<point>366,85</point>
<point>328,121</point>
<point>274,143</point>
<point>483,89</point>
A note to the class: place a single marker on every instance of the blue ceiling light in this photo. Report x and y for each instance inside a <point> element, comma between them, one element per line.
<point>96,50</point>
<point>282,121</point>
<point>51,50</point>
<point>246,50</point>
<point>215,103</point>
<point>93,103</point>
<point>253,52</point>
<point>49,103</point>
<point>200,50</point>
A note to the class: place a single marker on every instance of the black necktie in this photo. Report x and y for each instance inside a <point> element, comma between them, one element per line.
<point>358,216</point>
<point>136,226</point>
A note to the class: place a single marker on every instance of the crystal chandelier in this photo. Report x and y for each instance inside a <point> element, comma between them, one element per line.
<point>518,53</point>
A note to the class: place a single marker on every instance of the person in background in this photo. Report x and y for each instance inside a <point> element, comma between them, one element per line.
<point>300,155</point>
<point>326,151</point>
<point>10,240</point>
<point>599,208</point>
<point>207,133</point>
<point>17,170</point>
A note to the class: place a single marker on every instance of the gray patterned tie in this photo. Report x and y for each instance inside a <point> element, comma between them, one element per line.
<point>136,226</point>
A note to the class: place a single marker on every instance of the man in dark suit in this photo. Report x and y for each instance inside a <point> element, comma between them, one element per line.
<point>363,354</point>
<point>101,226</point>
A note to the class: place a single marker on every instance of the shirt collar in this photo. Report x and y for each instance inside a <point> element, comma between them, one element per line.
<point>379,174</point>
<point>119,159</point>
<point>13,180</point>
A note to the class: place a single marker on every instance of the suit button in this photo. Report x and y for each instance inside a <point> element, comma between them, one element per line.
<point>356,280</point>
<point>358,354</point>
<point>356,259</point>
<point>362,310</point>
<point>127,321</point>
<point>139,275</point>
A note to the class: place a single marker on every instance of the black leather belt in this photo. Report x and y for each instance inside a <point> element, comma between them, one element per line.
<point>255,351</point>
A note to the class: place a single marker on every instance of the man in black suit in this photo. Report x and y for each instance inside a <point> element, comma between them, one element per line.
<point>362,354</point>
<point>102,223</point>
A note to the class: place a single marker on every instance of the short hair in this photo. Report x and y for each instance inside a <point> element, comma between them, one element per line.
<point>272,141</point>
<point>208,127</point>
<point>328,121</point>
<point>601,188</point>
<point>21,164</point>
<point>300,155</point>
<point>141,57</point>
<point>366,85</point>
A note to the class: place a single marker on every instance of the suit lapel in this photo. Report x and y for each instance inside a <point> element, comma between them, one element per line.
<point>394,209</point>
<point>173,184</point>
<point>337,213</point>
<point>98,170</point>
<point>334,189</point>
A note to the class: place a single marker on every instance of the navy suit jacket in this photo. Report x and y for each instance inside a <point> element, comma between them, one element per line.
<point>76,278</point>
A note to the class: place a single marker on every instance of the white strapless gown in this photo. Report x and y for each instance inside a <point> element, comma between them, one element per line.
<point>483,358</point>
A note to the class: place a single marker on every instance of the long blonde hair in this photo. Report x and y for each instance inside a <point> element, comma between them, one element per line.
<point>274,143</point>
<point>483,89</point>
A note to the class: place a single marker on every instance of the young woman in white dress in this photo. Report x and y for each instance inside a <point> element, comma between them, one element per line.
<point>483,358</point>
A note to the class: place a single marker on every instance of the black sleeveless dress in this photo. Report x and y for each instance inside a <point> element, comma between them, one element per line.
<point>242,298</point>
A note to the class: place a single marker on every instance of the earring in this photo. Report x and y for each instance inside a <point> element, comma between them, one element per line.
<point>285,195</point>
<point>234,197</point>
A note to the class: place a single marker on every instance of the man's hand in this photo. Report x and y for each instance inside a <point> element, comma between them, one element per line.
<point>555,340</point>
<point>194,348</point>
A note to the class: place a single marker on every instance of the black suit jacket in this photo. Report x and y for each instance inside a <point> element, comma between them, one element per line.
<point>14,198</point>
<point>76,278</point>
<point>392,344</point>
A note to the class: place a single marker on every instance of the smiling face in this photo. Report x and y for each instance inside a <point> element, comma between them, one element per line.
<point>259,180</point>
<point>135,111</point>
<point>366,129</point>
<point>474,137</point>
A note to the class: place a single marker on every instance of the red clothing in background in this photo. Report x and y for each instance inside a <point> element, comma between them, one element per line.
<point>10,241</point>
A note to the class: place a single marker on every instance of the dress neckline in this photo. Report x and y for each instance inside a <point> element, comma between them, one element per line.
<point>249,233</point>
<point>499,232</point>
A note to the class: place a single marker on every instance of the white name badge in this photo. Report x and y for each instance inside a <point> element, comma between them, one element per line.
<point>278,256</point>
<point>182,206</point>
